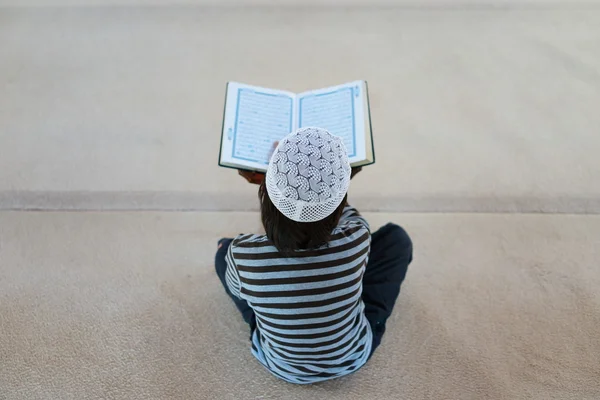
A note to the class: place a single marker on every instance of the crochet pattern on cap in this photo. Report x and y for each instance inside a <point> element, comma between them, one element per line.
<point>308,175</point>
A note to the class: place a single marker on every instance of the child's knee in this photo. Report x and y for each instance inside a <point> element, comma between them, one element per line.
<point>399,235</point>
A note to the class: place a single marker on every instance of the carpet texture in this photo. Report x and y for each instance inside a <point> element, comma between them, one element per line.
<point>127,306</point>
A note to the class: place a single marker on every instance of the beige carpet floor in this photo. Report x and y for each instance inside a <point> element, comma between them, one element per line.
<point>127,306</point>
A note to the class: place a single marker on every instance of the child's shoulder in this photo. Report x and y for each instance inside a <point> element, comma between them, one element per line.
<point>251,240</point>
<point>351,227</point>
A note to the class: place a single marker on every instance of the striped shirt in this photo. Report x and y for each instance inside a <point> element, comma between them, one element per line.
<point>309,313</point>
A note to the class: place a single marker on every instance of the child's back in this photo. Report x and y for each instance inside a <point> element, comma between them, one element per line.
<point>310,322</point>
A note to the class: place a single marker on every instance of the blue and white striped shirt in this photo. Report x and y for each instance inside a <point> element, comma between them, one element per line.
<point>310,317</point>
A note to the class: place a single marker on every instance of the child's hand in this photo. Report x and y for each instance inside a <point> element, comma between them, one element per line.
<point>252,176</point>
<point>355,170</point>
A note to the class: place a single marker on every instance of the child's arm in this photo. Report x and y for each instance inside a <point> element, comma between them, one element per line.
<point>351,215</point>
<point>231,276</point>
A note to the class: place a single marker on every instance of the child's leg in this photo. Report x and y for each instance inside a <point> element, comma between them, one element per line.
<point>391,253</point>
<point>221,268</point>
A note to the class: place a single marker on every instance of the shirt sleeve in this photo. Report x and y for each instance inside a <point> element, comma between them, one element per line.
<point>231,275</point>
<point>351,215</point>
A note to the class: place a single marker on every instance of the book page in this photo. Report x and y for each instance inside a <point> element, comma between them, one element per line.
<point>254,119</point>
<point>340,110</point>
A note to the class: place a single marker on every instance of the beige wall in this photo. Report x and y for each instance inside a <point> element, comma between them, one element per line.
<point>394,3</point>
<point>472,110</point>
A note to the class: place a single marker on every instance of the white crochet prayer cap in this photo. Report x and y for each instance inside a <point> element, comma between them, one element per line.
<point>308,175</point>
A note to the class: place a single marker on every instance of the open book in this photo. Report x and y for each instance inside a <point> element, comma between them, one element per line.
<point>256,117</point>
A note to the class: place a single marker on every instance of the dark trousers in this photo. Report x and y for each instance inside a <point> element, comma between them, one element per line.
<point>391,253</point>
<point>221,267</point>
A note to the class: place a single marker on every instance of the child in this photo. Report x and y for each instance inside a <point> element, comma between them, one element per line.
<point>318,288</point>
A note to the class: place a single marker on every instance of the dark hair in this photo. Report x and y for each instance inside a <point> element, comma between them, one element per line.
<point>288,235</point>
